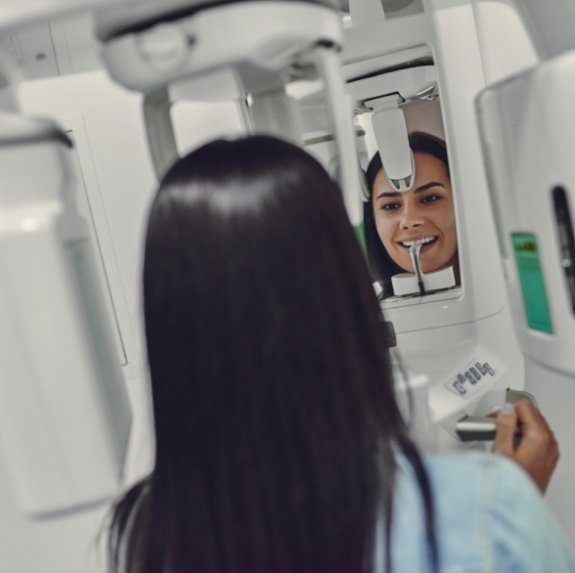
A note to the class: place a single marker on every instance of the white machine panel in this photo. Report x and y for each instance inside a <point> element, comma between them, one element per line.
<point>64,412</point>
<point>527,131</point>
<point>527,142</point>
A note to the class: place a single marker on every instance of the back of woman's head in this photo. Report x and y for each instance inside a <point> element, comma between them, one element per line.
<point>273,399</point>
<point>256,295</point>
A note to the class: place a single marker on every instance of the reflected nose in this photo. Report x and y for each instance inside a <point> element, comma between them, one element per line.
<point>410,217</point>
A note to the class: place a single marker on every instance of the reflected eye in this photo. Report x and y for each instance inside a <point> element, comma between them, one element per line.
<point>431,198</point>
<point>390,206</point>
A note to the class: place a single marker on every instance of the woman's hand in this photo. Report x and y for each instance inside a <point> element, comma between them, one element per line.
<point>536,448</point>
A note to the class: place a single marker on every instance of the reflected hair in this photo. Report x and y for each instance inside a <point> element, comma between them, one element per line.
<point>381,264</point>
<point>276,424</point>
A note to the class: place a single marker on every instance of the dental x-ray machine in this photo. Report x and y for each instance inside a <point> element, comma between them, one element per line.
<point>250,50</point>
<point>64,410</point>
<point>527,129</point>
<point>65,419</point>
<point>459,336</point>
<point>65,413</point>
<point>240,50</point>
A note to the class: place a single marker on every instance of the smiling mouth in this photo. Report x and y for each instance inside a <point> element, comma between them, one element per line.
<point>423,241</point>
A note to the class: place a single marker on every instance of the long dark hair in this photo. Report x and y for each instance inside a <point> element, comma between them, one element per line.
<point>276,423</point>
<point>381,264</point>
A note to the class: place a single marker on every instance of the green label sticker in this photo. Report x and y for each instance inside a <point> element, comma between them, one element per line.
<point>532,282</point>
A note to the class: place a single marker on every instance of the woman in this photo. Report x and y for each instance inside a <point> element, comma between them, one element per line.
<point>279,444</point>
<point>425,214</point>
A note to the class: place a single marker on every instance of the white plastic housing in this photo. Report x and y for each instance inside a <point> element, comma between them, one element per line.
<point>365,11</point>
<point>253,43</point>
<point>527,132</point>
<point>64,410</point>
<point>412,394</point>
<point>550,24</point>
<point>406,284</point>
<point>387,118</point>
<point>445,334</point>
<point>264,34</point>
<point>392,141</point>
<point>528,143</point>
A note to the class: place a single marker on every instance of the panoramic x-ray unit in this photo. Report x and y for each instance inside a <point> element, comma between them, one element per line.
<point>240,50</point>
<point>64,410</point>
<point>65,413</point>
<point>527,131</point>
<point>458,336</point>
<point>246,51</point>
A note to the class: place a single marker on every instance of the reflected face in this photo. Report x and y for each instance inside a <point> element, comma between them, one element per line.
<point>425,213</point>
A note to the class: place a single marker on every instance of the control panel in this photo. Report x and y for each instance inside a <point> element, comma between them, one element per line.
<point>471,379</point>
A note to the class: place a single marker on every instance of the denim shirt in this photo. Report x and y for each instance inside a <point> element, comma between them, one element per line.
<point>489,518</point>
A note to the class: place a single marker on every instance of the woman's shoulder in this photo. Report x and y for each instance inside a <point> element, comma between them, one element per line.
<point>460,500</point>
<point>476,488</point>
<point>489,515</point>
<point>498,486</point>
<point>485,476</point>
<point>466,476</point>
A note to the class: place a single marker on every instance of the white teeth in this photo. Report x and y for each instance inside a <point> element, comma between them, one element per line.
<point>422,241</point>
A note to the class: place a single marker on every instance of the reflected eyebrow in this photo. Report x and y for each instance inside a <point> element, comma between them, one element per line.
<point>427,186</point>
<point>423,187</point>
<point>388,194</point>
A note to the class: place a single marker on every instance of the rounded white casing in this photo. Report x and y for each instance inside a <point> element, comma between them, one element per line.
<point>267,35</point>
<point>528,146</point>
<point>248,47</point>
<point>64,410</point>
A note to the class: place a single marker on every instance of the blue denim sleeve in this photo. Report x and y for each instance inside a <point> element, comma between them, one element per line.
<point>524,535</point>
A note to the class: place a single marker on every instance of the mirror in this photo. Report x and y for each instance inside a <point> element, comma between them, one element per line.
<point>410,226</point>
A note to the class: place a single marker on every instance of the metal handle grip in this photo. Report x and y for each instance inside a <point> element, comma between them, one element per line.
<point>471,428</point>
<point>482,428</point>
